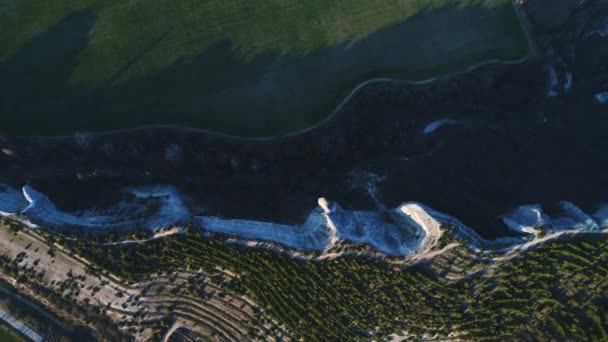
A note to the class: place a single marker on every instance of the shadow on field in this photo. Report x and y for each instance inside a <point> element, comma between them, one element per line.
<point>34,81</point>
<point>272,94</point>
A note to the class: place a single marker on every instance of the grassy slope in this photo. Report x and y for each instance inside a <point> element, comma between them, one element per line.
<point>8,335</point>
<point>305,42</point>
<point>555,291</point>
<point>124,28</point>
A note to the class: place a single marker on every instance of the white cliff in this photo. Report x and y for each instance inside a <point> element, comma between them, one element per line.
<point>171,207</point>
<point>125,215</point>
<point>312,235</point>
<point>526,219</point>
<point>572,217</point>
<point>395,233</point>
<point>410,229</point>
<point>601,215</point>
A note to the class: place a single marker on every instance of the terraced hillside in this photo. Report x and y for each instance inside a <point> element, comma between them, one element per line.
<point>78,293</point>
<point>195,285</point>
<point>254,68</point>
<point>555,291</point>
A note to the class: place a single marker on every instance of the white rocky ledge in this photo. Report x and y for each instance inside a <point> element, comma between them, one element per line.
<point>412,228</point>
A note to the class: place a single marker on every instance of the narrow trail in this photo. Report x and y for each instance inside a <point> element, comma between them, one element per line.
<point>176,326</point>
<point>159,235</point>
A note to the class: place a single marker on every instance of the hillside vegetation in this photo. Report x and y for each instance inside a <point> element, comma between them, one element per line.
<point>556,291</point>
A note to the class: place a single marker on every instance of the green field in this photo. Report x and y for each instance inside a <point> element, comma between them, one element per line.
<point>242,67</point>
<point>9,335</point>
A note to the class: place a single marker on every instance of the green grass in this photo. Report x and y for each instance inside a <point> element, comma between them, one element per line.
<point>9,335</point>
<point>254,67</point>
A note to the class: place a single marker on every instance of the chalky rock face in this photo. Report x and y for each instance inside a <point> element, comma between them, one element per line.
<point>526,219</point>
<point>398,232</point>
<point>410,229</point>
<point>123,216</point>
<point>425,223</point>
<point>11,200</point>
<point>170,206</point>
<point>312,235</point>
<point>369,228</point>
<point>43,212</point>
<point>572,217</point>
<point>601,215</point>
<point>531,219</point>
